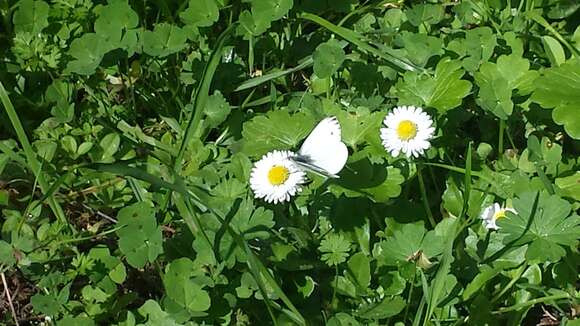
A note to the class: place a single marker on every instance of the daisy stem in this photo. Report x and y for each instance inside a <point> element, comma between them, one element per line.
<point>424,195</point>
<point>501,132</point>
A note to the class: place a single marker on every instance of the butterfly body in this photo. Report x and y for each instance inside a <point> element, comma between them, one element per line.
<point>323,151</point>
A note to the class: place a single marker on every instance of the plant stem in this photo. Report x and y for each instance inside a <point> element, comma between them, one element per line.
<point>500,141</point>
<point>424,196</point>
<point>9,297</point>
<point>531,303</point>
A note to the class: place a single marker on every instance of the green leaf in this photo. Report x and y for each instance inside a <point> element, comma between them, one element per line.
<point>271,10</point>
<point>46,304</point>
<point>359,269</point>
<point>6,254</point>
<point>275,130</point>
<point>554,50</point>
<point>140,238</point>
<point>342,319</point>
<point>217,109</point>
<point>31,16</point>
<point>407,241</point>
<point>110,145</point>
<point>545,222</point>
<point>477,47</point>
<point>377,181</point>
<point>88,51</point>
<point>114,20</point>
<point>164,40</point>
<point>388,307</point>
<point>334,248</point>
<point>497,81</point>
<point>559,88</point>
<point>425,14</point>
<point>328,57</point>
<point>182,289</point>
<point>155,315</point>
<point>421,47</point>
<point>443,91</point>
<point>570,186</point>
<point>200,13</point>
<point>115,268</point>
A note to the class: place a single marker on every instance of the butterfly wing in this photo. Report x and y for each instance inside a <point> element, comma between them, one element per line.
<point>324,149</point>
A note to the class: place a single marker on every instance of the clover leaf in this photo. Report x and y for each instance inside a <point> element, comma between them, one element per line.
<point>182,289</point>
<point>476,48</point>
<point>201,13</point>
<point>543,221</point>
<point>140,238</point>
<point>328,57</point>
<point>496,82</point>
<point>443,91</point>
<point>114,20</point>
<point>559,88</point>
<point>164,40</point>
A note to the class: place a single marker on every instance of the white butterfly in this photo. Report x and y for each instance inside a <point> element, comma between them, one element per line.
<point>323,151</point>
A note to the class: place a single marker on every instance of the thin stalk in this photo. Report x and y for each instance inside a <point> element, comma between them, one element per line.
<point>511,283</point>
<point>9,297</point>
<point>501,132</point>
<point>424,196</point>
<point>531,303</point>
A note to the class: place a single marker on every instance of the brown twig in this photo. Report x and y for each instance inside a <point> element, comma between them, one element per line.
<point>7,292</point>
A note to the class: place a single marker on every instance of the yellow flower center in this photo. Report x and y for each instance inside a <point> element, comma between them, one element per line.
<point>278,175</point>
<point>499,214</point>
<point>406,130</point>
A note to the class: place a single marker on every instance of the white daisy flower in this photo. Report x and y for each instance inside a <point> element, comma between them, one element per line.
<point>492,213</point>
<point>275,177</point>
<point>408,130</point>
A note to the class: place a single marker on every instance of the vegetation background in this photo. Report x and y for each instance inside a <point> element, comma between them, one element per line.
<point>129,129</point>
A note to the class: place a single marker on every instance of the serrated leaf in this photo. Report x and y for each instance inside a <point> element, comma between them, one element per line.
<point>7,258</point>
<point>444,91</point>
<point>545,222</point>
<point>559,88</point>
<point>407,241</point>
<point>334,248</point>
<point>275,130</point>
<point>31,16</point>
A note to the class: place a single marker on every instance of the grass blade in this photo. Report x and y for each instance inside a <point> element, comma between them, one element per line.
<point>199,98</point>
<point>31,159</point>
<point>250,83</point>
<point>397,62</point>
